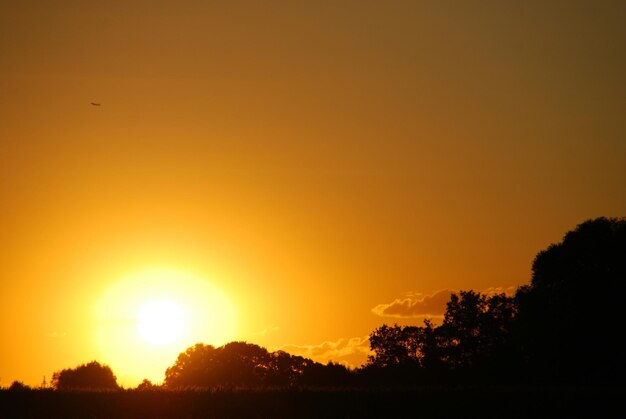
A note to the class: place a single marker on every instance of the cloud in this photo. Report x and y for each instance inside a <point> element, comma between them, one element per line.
<point>351,352</point>
<point>416,305</point>
<point>508,291</point>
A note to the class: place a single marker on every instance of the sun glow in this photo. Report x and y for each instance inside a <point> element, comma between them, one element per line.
<point>146,319</point>
<point>161,322</point>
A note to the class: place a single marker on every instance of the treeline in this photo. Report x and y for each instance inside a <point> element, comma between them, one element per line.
<point>475,344</point>
<point>565,327</point>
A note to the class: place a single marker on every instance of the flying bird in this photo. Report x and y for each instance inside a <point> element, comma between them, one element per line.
<point>95,104</point>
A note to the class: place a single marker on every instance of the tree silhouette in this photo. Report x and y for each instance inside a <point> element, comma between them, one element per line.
<point>241,364</point>
<point>146,385</point>
<point>330,375</point>
<point>285,369</point>
<point>19,386</point>
<point>234,364</point>
<point>473,341</point>
<point>565,327</point>
<point>405,355</point>
<point>393,345</point>
<point>92,376</point>
<point>194,367</point>
<point>477,332</point>
<point>571,315</point>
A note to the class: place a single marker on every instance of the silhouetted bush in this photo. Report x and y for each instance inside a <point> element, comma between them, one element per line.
<point>19,386</point>
<point>91,376</point>
<point>146,385</point>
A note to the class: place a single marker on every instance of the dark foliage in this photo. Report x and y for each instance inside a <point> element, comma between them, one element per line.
<point>571,316</point>
<point>563,328</point>
<point>146,385</point>
<point>241,364</point>
<point>473,343</point>
<point>91,376</point>
<point>476,335</point>
<point>18,386</point>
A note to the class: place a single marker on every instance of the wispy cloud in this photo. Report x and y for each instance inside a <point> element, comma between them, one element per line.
<point>418,305</point>
<point>508,291</point>
<point>351,352</point>
<point>415,305</point>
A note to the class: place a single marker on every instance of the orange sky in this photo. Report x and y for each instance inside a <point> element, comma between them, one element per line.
<point>311,162</point>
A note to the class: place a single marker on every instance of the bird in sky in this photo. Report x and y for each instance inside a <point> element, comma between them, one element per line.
<point>95,104</point>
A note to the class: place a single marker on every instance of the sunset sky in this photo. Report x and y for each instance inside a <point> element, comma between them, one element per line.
<point>289,173</point>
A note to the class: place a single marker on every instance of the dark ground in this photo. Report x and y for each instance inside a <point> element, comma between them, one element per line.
<point>311,403</point>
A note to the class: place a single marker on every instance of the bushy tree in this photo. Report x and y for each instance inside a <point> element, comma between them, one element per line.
<point>238,364</point>
<point>476,332</point>
<point>564,327</point>
<point>19,386</point>
<point>393,345</point>
<point>473,339</point>
<point>146,385</point>
<point>330,375</point>
<point>285,369</point>
<point>91,376</point>
<point>571,315</point>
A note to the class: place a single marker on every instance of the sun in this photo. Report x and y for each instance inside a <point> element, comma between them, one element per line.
<point>147,318</point>
<point>160,322</point>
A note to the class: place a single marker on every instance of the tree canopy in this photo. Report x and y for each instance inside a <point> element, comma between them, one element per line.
<point>91,376</point>
<point>571,314</point>
<point>241,364</point>
<point>564,327</point>
<point>474,335</point>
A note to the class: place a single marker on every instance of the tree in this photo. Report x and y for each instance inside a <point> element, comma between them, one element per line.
<point>564,327</point>
<point>234,364</point>
<point>474,340</point>
<point>394,345</point>
<point>91,376</point>
<point>19,386</point>
<point>146,385</point>
<point>571,316</point>
<point>193,368</point>
<point>329,375</point>
<point>285,369</point>
<point>405,355</point>
<point>476,335</point>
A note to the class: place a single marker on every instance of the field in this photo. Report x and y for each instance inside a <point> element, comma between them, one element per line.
<point>312,403</point>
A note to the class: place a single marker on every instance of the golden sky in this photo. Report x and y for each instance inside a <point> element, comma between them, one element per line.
<point>309,167</point>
